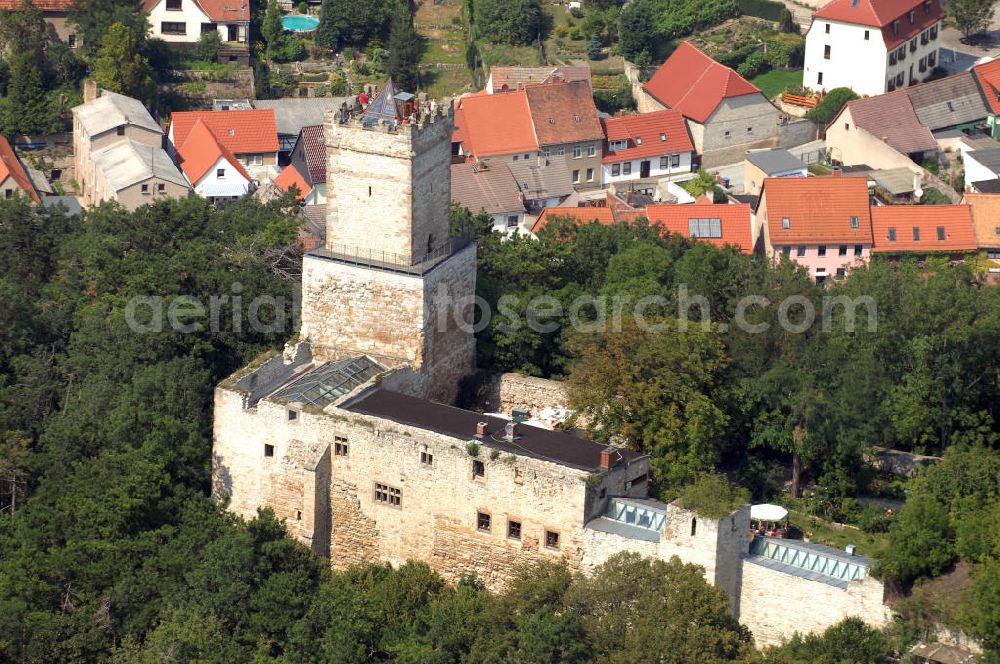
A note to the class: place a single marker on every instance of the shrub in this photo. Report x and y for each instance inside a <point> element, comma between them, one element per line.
<point>207,48</point>
<point>472,449</point>
<point>303,7</point>
<point>713,496</point>
<point>768,9</point>
<point>576,12</point>
<point>289,49</point>
<point>827,110</point>
<point>756,63</point>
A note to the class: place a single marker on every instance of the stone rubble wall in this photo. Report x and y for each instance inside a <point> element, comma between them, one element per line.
<point>775,605</point>
<point>516,390</point>
<point>437,521</point>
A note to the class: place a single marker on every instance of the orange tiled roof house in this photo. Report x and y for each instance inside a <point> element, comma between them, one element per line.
<point>725,114</point>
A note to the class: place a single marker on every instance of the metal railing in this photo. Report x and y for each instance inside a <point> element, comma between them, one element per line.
<point>391,261</point>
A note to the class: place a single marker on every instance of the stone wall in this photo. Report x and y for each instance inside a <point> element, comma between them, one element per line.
<point>393,190</point>
<point>399,319</point>
<point>351,309</point>
<point>437,519</point>
<point>797,132</point>
<point>736,115</point>
<point>713,544</point>
<point>516,390</point>
<point>775,605</point>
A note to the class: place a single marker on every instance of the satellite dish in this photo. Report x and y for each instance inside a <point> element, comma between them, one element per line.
<point>918,193</point>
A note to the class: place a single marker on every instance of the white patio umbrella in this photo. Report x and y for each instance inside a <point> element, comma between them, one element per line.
<point>767,512</point>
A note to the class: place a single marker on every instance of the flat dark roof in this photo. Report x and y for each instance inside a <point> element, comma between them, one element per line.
<point>557,447</point>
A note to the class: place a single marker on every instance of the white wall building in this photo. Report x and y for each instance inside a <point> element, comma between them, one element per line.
<point>872,46</point>
<point>646,145</point>
<point>184,21</point>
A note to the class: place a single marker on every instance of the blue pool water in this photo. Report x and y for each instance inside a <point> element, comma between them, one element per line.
<point>299,23</point>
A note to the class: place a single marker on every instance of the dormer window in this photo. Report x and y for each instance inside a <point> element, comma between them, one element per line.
<point>913,17</point>
<point>895,28</point>
<point>927,7</point>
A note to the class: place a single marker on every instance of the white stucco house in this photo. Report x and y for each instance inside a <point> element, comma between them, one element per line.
<point>212,169</point>
<point>182,22</point>
<point>872,46</point>
<point>647,145</point>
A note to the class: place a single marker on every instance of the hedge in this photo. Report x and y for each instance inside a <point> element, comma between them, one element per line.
<point>768,9</point>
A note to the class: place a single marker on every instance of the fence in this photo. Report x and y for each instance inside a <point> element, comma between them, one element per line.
<point>799,100</point>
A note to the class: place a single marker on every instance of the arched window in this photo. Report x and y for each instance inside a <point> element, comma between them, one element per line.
<point>694,525</point>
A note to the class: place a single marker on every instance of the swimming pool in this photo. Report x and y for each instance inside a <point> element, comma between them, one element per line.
<point>299,23</point>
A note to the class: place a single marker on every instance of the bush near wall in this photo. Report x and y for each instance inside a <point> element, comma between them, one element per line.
<point>772,11</point>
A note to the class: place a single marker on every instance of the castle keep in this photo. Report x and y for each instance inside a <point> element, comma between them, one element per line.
<point>348,437</point>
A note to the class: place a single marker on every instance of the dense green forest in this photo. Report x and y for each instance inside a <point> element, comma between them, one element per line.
<point>112,550</point>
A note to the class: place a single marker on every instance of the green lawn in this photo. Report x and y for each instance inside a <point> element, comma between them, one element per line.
<point>821,532</point>
<point>777,80</point>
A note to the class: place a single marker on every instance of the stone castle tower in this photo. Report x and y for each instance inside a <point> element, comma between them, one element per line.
<point>390,282</point>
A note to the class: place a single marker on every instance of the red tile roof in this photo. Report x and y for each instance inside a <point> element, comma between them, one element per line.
<point>243,132</point>
<point>891,118</point>
<point>217,10</point>
<point>954,221</point>
<point>314,150</point>
<point>11,167</point>
<point>563,113</point>
<point>695,84</point>
<point>988,74</point>
<point>818,210</point>
<point>288,176</point>
<point>643,133</point>
<point>881,14</point>
<point>582,215</point>
<point>490,125</point>
<point>201,151</point>
<point>735,222</point>
<point>44,5</point>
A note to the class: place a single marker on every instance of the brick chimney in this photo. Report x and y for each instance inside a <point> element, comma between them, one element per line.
<point>606,455</point>
<point>482,428</point>
<point>90,91</point>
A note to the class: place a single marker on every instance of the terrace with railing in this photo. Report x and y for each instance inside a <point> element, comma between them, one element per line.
<point>391,261</point>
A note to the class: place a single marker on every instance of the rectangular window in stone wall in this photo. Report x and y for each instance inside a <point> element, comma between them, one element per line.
<point>388,495</point>
<point>427,458</point>
<point>514,529</point>
<point>483,522</point>
<point>551,539</point>
<point>268,450</point>
<point>339,446</point>
<point>478,468</point>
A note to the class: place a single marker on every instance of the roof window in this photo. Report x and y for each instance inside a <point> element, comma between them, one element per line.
<point>940,232</point>
<point>663,137</point>
<point>785,223</point>
<point>892,234</point>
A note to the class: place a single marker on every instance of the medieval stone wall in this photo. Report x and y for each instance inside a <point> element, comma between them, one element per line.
<point>437,518</point>
<point>351,309</point>
<point>775,605</point>
<point>533,394</point>
<point>393,190</point>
